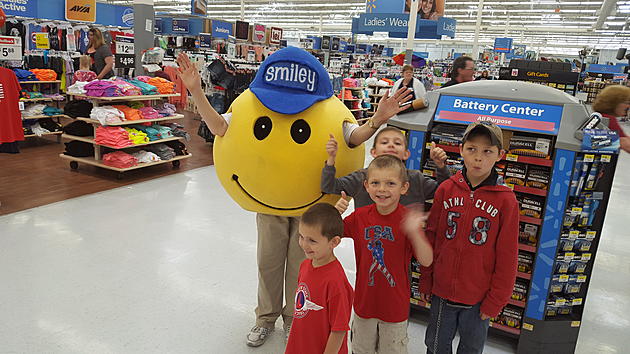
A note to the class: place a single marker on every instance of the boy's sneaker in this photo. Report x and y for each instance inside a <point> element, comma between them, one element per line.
<point>258,335</point>
<point>287,331</point>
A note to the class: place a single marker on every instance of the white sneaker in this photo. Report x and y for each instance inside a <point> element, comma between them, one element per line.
<point>287,331</point>
<point>258,335</point>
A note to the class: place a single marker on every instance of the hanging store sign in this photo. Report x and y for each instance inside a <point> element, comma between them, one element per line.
<point>334,44</point>
<point>124,61</point>
<point>205,40</point>
<point>81,10</point>
<point>325,42</point>
<point>159,25</point>
<point>125,45</point>
<point>275,35</point>
<point>42,41</point>
<point>523,116</point>
<point>221,29</point>
<point>199,7</point>
<point>242,30</point>
<point>10,48</point>
<point>180,26</point>
<point>25,8</point>
<point>502,45</point>
<point>343,46</point>
<point>565,77</point>
<point>395,24</point>
<point>429,10</point>
<point>260,33</point>
<point>306,43</point>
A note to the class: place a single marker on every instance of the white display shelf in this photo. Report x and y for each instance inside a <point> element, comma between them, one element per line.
<point>91,141</point>
<point>131,122</point>
<point>98,163</point>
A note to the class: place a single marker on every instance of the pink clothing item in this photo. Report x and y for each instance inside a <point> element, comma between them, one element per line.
<point>149,113</point>
<point>119,159</point>
<point>127,89</point>
<point>116,137</point>
<point>143,78</point>
<point>84,76</point>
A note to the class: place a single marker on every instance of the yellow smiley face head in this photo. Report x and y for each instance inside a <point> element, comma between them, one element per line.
<point>271,157</point>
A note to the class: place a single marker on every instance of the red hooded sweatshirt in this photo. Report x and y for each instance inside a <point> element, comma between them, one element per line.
<point>474,234</point>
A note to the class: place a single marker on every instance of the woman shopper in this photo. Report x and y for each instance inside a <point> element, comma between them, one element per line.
<point>101,54</point>
<point>414,85</point>
<point>613,102</point>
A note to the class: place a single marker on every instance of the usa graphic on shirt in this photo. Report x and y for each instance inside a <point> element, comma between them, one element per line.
<point>1,91</point>
<point>303,302</point>
<point>375,236</point>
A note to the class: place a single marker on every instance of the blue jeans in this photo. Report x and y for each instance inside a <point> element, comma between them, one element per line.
<point>447,319</point>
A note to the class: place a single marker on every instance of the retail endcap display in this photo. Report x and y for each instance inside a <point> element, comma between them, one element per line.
<point>276,134</point>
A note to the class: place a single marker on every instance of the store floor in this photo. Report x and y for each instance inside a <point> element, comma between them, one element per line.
<point>38,176</point>
<point>169,266</point>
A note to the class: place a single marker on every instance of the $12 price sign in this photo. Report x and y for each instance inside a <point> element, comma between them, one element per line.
<point>124,45</point>
<point>10,48</point>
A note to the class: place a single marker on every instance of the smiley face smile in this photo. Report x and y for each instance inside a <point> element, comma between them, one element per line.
<point>235,178</point>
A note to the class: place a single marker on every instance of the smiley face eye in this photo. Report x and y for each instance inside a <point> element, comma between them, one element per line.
<point>300,131</point>
<point>262,127</point>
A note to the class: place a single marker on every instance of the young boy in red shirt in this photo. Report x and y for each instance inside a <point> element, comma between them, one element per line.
<point>386,235</point>
<point>473,227</point>
<point>323,299</point>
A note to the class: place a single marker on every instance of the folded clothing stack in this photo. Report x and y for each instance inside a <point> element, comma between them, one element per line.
<point>102,88</point>
<point>78,88</point>
<point>162,150</point>
<point>45,74</point>
<point>145,156</point>
<point>136,104</point>
<point>178,146</point>
<point>79,149</point>
<point>33,127</point>
<point>152,134</point>
<point>144,87</point>
<point>78,108</point>
<point>55,96</point>
<point>25,75</point>
<point>27,94</point>
<point>166,109</point>
<point>130,113</point>
<point>107,115</point>
<point>119,159</point>
<point>149,113</point>
<point>136,136</point>
<point>116,137</point>
<point>50,125</point>
<point>79,128</point>
<point>126,88</point>
<point>52,111</point>
<point>164,86</point>
<point>165,132</point>
<point>33,110</point>
<point>178,130</point>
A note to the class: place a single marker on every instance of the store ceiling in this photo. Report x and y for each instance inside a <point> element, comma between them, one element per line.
<point>537,23</point>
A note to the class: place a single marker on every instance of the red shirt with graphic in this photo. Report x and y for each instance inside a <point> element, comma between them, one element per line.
<point>84,75</point>
<point>11,121</point>
<point>323,302</point>
<point>383,254</point>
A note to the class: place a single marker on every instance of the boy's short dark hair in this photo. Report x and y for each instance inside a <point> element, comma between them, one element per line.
<point>389,161</point>
<point>326,217</point>
<point>485,129</point>
<point>389,129</point>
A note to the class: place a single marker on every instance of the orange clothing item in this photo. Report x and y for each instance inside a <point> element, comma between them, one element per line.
<point>130,113</point>
<point>164,86</point>
<point>45,74</point>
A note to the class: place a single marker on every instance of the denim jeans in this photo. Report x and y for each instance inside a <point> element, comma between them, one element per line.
<point>447,319</point>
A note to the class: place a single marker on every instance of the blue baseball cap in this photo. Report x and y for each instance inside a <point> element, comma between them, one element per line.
<point>291,80</point>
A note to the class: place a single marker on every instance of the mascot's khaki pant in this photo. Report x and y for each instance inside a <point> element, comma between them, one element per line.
<point>279,259</point>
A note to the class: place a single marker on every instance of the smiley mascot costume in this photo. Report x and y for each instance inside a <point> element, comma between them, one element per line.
<point>270,161</point>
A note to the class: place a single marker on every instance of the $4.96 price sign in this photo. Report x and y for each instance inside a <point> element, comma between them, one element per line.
<point>10,48</point>
<point>125,61</point>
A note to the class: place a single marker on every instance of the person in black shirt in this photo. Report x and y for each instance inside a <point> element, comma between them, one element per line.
<point>463,71</point>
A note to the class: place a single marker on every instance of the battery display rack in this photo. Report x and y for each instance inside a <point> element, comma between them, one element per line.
<point>562,193</point>
<point>556,77</point>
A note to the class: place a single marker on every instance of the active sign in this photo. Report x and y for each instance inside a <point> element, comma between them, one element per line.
<point>523,116</point>
<point>10,48</point>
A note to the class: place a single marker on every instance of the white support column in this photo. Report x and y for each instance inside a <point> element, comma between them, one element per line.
<point>321,24</point>
<point>411,30</point>
<point>475,50</point>
<point>242,10</point>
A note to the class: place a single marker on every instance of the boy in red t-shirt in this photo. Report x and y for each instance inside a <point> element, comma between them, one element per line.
<point>473,227</point>
<point>386,235</point>
<point>323,299</point>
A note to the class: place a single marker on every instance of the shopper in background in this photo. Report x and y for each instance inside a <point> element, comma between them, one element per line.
<point>414,85</point>
<point>324,296</point>
<point>463,71</point>
<point>101,54</point>
<point>484,76</point>
<point>84,73</point>
<point>473,228</point>
<point>613,102</point>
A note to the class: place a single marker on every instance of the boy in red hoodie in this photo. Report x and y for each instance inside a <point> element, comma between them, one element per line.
<point>473,227</point>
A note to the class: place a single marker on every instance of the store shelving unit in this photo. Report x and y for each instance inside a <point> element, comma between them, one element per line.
<point>560,222</point>
<point>35,85</point>
<point>98,148</point>
<point>375,96</point>
<point>357,96</point>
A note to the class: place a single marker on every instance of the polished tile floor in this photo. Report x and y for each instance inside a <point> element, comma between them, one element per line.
<point>168,266</point>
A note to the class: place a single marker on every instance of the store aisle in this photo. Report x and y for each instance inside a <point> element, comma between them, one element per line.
<point>168,266</point>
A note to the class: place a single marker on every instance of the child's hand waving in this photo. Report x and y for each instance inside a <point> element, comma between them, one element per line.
<point>331,149</point>
<point>414,221</point>
<point>413,226</point>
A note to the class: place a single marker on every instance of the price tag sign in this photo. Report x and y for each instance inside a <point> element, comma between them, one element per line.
<point>573,235</point>
<point>569,256</point>
<point>528,326</point>
<point>576,211</point>
<point>125,60</point>
<point>605,158</point>
<point>581,279</point>
<point>42,41</point>
<point>586,257</point>
<point>561,302</point>
<point>124,45</point>
<point>428,173</point>
<point>21,105</point>
<point>10,48</point>
<point>511,157</point>
<point>563,278</point>
<point>590,235</point>
<point>575,324</point>
<point>589,158</point>
<point>576,302</point>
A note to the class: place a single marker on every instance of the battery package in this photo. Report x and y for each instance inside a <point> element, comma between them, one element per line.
<point>520,290</point>
<point>538,177</point>
<point>515,173</point>
<point>511,316</point>
<point>528,234</point>
<point>525,262</point>
<point>530,146</point>
<point>531,206</point>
